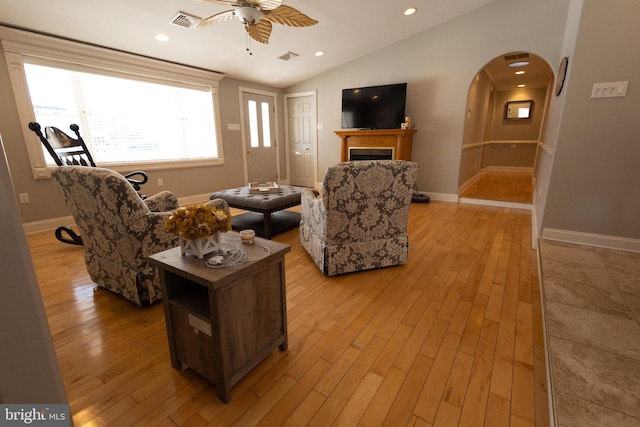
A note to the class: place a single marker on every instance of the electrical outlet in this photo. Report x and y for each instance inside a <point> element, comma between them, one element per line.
<point>160,182</point>
<point>24,198</point>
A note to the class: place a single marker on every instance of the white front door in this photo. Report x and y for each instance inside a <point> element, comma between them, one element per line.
<point>301,131</point>
<point>259,137</point>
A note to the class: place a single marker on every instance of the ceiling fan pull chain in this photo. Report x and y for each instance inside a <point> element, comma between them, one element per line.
<point>249,44</point>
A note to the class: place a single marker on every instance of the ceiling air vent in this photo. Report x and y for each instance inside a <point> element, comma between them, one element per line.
<point>288,56</point>
<point>514,56</point>
<point>184,20</point>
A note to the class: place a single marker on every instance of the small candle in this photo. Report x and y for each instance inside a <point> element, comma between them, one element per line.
<point>247,236</point>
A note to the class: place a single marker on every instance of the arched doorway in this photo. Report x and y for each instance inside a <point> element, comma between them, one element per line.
<point>505,119</point>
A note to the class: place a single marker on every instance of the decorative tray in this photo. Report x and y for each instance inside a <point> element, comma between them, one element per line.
<point>263,187</point>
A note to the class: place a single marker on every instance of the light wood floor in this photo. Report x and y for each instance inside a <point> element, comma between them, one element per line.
<point>501,186</point>
<point>453,338</point>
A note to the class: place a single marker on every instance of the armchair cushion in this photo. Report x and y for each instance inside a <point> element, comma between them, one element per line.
<point>119,230</point>
<point>361,220</point>
<point>162,202</point>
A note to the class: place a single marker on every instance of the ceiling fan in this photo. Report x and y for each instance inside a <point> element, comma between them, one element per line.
<point>257,16</point>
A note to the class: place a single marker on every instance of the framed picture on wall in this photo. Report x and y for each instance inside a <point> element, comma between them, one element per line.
<point>518,110</point>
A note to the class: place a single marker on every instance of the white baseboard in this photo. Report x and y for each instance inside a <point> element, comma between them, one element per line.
<point>469,182</point>
<point>496,203</point>
<point>508,169</point>
<point>589,239</point>
<point>47,224</point>
<point>53,223</point>
<point>192,200</point>
<point>440,197</point>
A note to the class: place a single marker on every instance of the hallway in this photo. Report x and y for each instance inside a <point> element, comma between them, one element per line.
<point>501,186</point>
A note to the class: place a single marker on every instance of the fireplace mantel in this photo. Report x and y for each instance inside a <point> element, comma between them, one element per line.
<point>398,139</point>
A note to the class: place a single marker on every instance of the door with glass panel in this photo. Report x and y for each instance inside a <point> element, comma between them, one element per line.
<point>259,137</point>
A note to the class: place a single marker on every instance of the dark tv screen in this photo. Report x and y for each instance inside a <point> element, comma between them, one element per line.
<point>374,107</point>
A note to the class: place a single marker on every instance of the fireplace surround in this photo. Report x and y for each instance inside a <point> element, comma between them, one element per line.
<point>398,141</point>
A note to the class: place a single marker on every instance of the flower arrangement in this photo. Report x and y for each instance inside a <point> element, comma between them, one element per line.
<point>198,221</point>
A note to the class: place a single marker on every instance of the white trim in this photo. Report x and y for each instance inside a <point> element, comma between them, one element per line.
<point>473,145</point>
<point>469,182</point>
<point>508,169</point>
<point>547,347</point>
<point>591,239</point>
<point>440,197</point>
<point>513,141</point>
<point>547,148</point>
<point>47,224</point>
<point>47,47</point>
<point>286,97</point>
<point>496,203</point>
<point>534,227</point>
<point>274,95</point>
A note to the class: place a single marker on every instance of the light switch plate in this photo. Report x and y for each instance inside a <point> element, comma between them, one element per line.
<point>609,90</point>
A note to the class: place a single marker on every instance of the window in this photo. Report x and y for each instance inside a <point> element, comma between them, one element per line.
<point>131,110</point>
<point>253,124</point>
<point>122,119</point>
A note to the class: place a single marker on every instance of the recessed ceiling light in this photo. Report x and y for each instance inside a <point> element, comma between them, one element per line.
<point>410,11</point>
<point>319,53</point>
<point>522,85</point>
<point>518,64</point>
<point>520,72</point>
<point>162,37</point>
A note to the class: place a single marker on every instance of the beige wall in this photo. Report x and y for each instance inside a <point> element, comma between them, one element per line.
<point>29,370</point>
<point>439,66</point>
<point>520,129</point>
<point>477,116</point>
<point>46,202</point>
<point>594,181</point>
<point>587,174</point>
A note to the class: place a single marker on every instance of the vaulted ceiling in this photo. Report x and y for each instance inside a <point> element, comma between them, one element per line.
<point>346,31</point>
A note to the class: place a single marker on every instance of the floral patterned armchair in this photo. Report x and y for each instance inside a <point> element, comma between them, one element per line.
<point>361,220</point>
<point>119,229</point>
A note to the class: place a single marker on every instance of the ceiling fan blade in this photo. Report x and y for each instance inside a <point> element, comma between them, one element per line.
<point>260,32</point>
<point>215,19</point>
<point>226,2</point>
<point>265,4</point>
<point>286,15</point>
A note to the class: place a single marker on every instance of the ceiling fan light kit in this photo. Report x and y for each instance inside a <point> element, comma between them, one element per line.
<point>248,15</point>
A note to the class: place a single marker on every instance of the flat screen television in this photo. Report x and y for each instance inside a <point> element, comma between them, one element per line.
<point>374,107</point>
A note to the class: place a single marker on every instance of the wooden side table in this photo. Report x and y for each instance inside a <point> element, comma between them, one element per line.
<point>223,322</point>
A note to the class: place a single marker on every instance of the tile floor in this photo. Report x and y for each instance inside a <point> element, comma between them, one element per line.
<point>592,315</point>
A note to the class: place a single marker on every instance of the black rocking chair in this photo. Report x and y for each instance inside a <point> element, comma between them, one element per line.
<point>66,150</point>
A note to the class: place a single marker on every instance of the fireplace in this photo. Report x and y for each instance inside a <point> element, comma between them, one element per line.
<point>377,144</point>
<point>370,153</point>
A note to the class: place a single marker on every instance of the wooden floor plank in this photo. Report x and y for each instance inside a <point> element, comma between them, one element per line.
<point>454,337</point>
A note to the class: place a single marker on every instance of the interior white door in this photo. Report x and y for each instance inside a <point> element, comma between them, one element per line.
<point>259,137</point>
<point>302,134</point>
